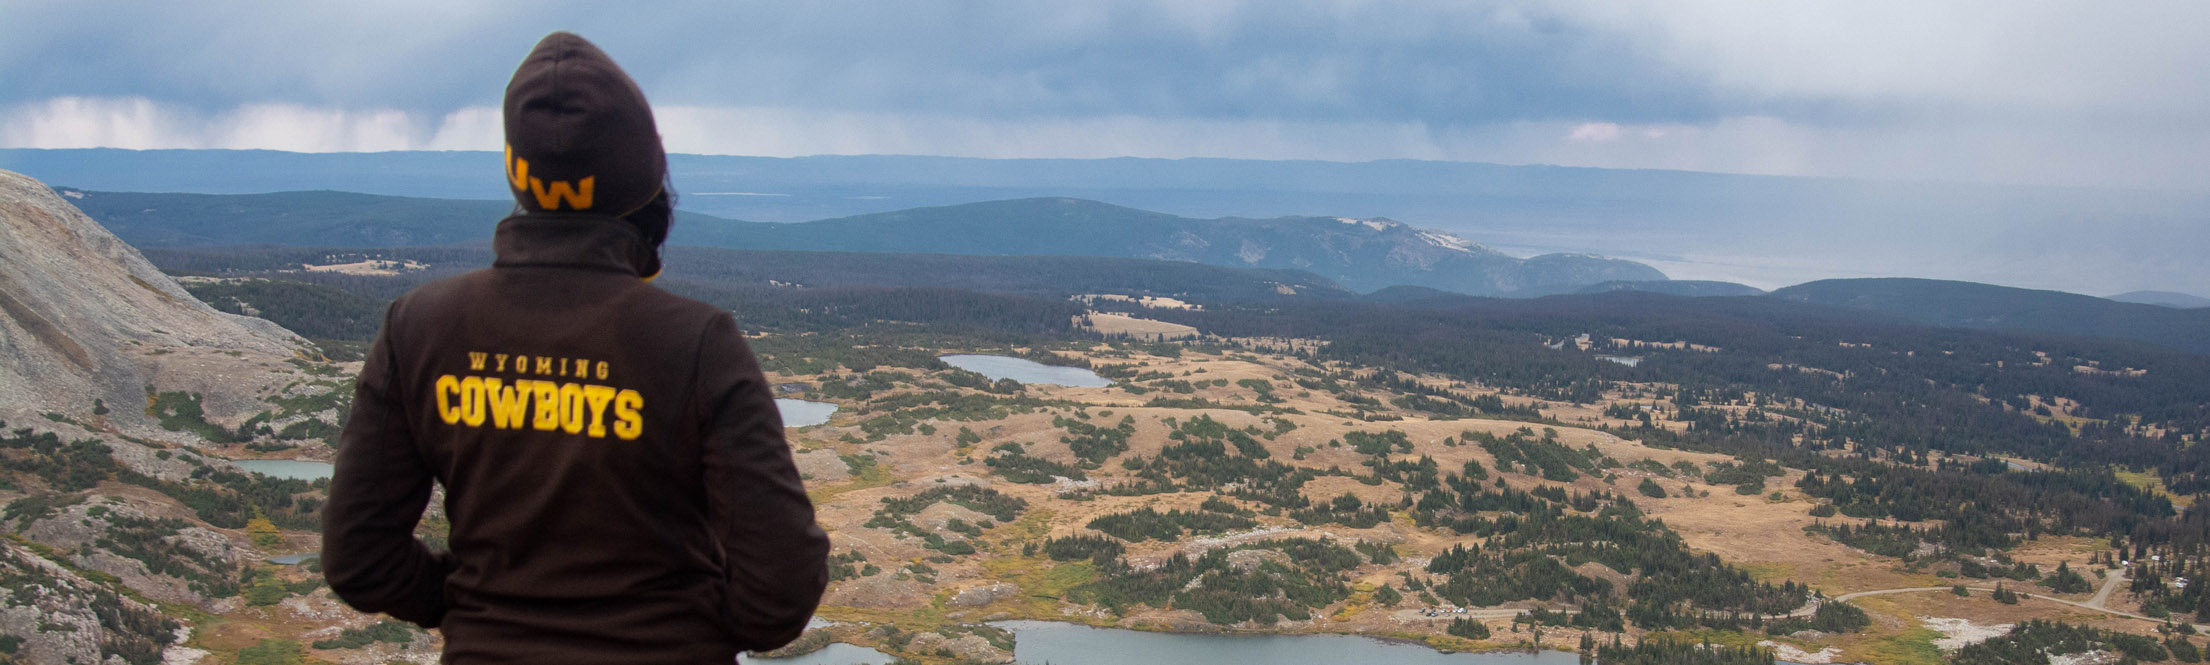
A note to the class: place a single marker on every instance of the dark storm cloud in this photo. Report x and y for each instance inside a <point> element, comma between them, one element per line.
<point>1445,64</point>
<point>218,55</point>
<point>1282,60</point>
<point>2001,90</point>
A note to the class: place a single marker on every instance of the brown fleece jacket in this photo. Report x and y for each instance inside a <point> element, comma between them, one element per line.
<point>614,466</point>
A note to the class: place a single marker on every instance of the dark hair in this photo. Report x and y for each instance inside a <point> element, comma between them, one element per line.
<point>657,216</point>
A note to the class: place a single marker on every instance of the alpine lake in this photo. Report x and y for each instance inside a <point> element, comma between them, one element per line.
<point>1025,371</point>
<point>1074,644</point>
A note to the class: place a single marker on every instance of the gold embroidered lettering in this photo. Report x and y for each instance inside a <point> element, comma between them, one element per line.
<point>471,401</point>
<point>508,403</point>
<point>543,405</point>
<point>517,170</point>
<point>547,395</point>
<point>598,396</point>
<point>577,196</point>
<point>628,424</point>
<point>447,390</point>
<point>571,408</point>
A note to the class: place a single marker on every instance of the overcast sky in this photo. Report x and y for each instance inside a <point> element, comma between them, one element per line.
<point>2068,93</point>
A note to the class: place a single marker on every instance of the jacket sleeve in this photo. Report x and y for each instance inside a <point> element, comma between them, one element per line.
<point>369,553</point>
<point>776,556</point>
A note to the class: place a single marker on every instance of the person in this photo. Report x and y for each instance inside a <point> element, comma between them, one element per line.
<point>615,472</point>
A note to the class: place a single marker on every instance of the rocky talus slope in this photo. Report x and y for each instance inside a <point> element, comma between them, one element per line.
<point>122,398</point>
<point>85,318</point>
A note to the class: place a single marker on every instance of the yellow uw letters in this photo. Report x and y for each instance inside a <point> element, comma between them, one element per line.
<point>578,196</point>
<point>549,197</point>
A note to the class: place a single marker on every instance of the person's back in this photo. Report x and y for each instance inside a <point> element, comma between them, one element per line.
<point>616,476</point>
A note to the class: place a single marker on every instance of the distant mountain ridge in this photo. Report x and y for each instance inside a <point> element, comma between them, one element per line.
<point>1761,228</point>
<point>1678,287</point>
<point>318,219</point>
<point>1361,254</point>
<point>1988,307</point>
<point>2163,298</point>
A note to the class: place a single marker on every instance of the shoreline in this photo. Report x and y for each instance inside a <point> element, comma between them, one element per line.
<point>1395,639</point>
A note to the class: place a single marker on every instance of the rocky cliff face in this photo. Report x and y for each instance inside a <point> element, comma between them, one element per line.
<point>121,397</point>
<point>87,325</point>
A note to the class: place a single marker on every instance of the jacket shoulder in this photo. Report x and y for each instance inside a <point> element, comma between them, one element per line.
<point>431,297</point>
<point>677,307</point>
<point>634,299</point>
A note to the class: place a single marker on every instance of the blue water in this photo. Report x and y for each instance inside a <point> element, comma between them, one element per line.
<point>801,413</point>
<point>834,654</point>
<point>1026,371</point>
<point>285,468</point>
<point>1072,644</point>
<point>294,559</point>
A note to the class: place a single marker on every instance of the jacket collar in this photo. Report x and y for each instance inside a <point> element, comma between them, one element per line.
<point>586,241</point>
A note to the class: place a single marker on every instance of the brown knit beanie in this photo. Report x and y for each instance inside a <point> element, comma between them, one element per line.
<point>579,135</point>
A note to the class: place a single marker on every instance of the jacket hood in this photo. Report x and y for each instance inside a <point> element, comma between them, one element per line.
<point>579,135</point>
<point>569,240</point>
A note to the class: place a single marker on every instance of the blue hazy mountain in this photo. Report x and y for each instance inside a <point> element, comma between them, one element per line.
<point>304,219</point>
<point>1969,305</point>
<point>1678,287</point>
<point>1761,230</point>
<point>2163,298</point>
<point>1362,254</point>
<point>1416,265</point>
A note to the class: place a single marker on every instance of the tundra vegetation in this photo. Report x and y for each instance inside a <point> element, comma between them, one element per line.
<point>1307,464</point>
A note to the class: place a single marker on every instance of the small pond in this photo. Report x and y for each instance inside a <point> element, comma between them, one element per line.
<point>1026,371</point>
<point>835,654</point>
<point>1073,644</point>
<point>294,559</point>
<point>285,468</point>
<point>801,413</point>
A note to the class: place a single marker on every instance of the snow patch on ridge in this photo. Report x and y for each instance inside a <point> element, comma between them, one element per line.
<point>1448,241</point>
<point>1375,224</point>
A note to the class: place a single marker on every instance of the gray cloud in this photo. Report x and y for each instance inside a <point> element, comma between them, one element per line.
<point>2017,91</point>
<point>1442,64</point>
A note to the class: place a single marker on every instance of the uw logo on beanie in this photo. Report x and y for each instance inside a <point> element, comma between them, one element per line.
<point>578,195</point>
<point>579,135</point>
